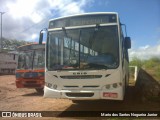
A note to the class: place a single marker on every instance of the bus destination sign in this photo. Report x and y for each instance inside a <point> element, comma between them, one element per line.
<point>83,20</point>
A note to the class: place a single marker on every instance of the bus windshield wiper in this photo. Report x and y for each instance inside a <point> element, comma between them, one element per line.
<point>97,66</point>
<point>70,48</point>
<point>92,38</point>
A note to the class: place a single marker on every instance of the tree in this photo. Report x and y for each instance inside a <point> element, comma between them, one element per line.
<point>136,62</point>
<point>12,44</point>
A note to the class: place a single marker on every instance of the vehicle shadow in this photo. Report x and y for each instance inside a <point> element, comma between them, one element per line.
<point>33,94</point>
<point>147,86</point>
<point>132,102</point>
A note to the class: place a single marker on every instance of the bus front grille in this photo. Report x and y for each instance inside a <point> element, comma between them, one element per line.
<point>31,75</point>
<point>77,87</point>
<point>79,94</point>
<point>91,86</point>
<point>81,76</point>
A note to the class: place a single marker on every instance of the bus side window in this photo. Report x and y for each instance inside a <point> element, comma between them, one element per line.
<point>41,59</point>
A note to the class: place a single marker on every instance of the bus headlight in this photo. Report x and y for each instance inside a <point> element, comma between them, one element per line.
<point>55,86</point>
<point>48,84</point>
<point>115,85</point>
<point>107,86</point>
<point>120,84</point>
<point>112,86</point>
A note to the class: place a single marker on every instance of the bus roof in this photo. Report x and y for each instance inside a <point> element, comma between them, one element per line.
<point>83,14</point>
<point>32,46</point>
<point>84,19</point>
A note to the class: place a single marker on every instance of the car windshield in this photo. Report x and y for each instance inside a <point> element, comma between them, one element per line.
<point>33,59</point>
<point>84,48</point>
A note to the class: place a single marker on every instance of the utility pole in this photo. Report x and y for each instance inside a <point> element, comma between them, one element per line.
<point>1,46</point>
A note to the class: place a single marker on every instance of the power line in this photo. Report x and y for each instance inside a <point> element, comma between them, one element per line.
<point>43,20</point>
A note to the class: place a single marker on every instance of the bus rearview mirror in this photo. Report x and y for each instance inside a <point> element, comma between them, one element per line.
<point>42,35</point>
<point>127,42</point>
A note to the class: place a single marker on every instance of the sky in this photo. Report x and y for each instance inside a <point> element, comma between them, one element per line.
<point>23,19</point>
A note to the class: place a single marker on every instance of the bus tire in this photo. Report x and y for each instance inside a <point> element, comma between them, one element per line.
<point>40,90</point>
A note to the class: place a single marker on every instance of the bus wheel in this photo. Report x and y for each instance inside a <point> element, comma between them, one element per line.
<point>40,90</point>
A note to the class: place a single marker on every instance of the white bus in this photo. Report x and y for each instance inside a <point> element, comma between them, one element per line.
<point>86,57</point>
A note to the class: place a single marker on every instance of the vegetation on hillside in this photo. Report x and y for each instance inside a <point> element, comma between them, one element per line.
<point>12,44</point>
<point>152,66</point>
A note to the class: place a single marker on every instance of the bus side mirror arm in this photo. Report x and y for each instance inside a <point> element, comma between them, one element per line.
<point>41,35</point>
<point>127,42</point>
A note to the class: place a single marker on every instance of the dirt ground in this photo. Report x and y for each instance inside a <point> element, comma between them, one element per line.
<point>14,99</point>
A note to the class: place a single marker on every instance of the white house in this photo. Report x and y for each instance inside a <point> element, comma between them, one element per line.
<point>8,62</point>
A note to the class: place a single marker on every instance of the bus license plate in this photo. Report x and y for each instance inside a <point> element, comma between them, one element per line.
<point>108,94</point>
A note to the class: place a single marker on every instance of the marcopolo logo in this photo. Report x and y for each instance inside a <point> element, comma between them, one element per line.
<point>6,114</point>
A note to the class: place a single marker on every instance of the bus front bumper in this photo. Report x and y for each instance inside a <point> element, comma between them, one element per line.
<point>30,83</point>
<point>114,94</point>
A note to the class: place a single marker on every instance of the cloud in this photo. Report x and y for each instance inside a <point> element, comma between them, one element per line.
<point>144,47</point>
<point>24,19</point>
<point>20,9</point>
<point>145,52</point>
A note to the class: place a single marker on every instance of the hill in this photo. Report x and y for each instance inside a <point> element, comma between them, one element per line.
<point>9,44</point>
<point>152,66</point>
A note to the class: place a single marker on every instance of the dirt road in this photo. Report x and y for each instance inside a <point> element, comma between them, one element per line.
<point>14,99</point>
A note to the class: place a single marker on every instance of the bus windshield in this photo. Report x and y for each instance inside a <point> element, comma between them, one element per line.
<point>33,59</point>
<point>83,48</point>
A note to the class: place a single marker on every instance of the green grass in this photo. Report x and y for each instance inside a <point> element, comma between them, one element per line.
<point>152,66</point>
